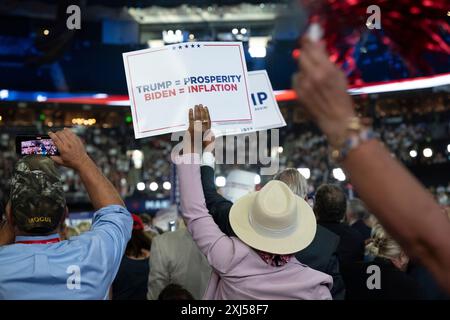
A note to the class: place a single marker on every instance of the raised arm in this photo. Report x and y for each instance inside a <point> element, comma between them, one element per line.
<point>221,251</point>
<point>112,223</point>
<point>394,196</point>
<point>403,206</point>
<point>217,205</point>
<point>73,155</point>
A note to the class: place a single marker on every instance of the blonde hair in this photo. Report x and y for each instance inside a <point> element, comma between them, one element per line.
<point>382,245</point>
<point>71,232</point>
<point>294,180</point>
<point>83,227</point>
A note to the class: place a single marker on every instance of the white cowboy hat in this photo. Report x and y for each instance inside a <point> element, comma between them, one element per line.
<point>274,220</point>
<point>239,183</point>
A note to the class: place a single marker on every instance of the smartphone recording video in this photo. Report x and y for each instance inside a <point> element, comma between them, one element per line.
<point>39,145</point>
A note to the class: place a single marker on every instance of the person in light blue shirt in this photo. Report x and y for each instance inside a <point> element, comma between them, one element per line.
<point>34,262</point>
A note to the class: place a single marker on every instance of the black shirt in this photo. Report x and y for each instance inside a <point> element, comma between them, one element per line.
<point>394,283</point>
<point>362,228</point>
<point>351,245</point>
<point>131,280</point>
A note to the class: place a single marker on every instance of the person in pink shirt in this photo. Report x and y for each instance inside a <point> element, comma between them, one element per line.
<point>271,224</point>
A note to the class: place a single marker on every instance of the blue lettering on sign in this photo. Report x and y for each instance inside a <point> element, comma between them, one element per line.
<point>157,204</point>
<point>258,98</point>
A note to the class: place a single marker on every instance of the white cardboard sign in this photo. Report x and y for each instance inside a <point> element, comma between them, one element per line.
<point>265,109</point>
<point>163,83</point>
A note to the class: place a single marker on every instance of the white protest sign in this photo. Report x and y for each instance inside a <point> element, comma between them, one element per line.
<point>163,83</point>
<point>266,113</point>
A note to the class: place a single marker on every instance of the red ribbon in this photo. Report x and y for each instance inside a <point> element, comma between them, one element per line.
<point>54,240</point>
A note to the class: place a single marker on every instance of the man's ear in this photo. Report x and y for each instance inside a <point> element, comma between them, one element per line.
<point>9,215</point>
<point>65,215</point>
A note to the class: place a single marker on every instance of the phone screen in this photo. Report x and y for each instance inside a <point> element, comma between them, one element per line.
<point>38,145</point>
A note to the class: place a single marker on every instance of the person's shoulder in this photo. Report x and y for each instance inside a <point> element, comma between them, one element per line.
<point>351,232</point>
<point>360,226</point>
<point>172,235</point>
<point>113,208</point>
<point>177,238</point>
<point>306,271</point>
<point>323,234</point>
<point>8,252</point>
<point>112,215</point>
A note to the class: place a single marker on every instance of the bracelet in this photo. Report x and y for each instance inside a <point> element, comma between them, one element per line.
<point>352,141</point>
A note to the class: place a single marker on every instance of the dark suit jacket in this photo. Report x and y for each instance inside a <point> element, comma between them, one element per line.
<point>394,284</point>
<point>362,228</point>
<point>351,246</point>
<point>320,255</point>
<point>429,288</point>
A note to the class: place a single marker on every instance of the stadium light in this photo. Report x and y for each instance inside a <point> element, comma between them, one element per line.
<point>413,153</point>
<point>172,37</point>
<point>100,96</point>
<point>167,185</point>
<point>4,94</point>
<point>257,47</point>
<point>155,43</point>
<point>137,156</point>
<point>427,152</point>
<point>41,98</point>
<point>140,186</point>
<point>338,174</point>
<point>305,172</point>
<point>153,186</point>
<point>257,52</point>
<point>257,179</point>
<point>221,181</point>
<point>410,84</point>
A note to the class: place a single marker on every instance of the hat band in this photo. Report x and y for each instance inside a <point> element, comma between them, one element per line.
<point>272,233</point>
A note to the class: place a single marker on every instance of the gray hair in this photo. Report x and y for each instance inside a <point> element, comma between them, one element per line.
<point>295,181</point>
<point>358,209</point>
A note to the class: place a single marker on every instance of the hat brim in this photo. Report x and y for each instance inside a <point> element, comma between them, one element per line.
<point>298,239</point>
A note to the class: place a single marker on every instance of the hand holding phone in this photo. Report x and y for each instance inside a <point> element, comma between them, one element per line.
<point>35,145</point>
<point>72,151</point>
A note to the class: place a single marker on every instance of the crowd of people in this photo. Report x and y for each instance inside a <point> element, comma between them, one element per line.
<point>392,242</point>
<point>126,161</point>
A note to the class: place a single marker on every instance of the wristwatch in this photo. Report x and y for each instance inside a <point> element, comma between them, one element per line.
<point>357,134</point>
